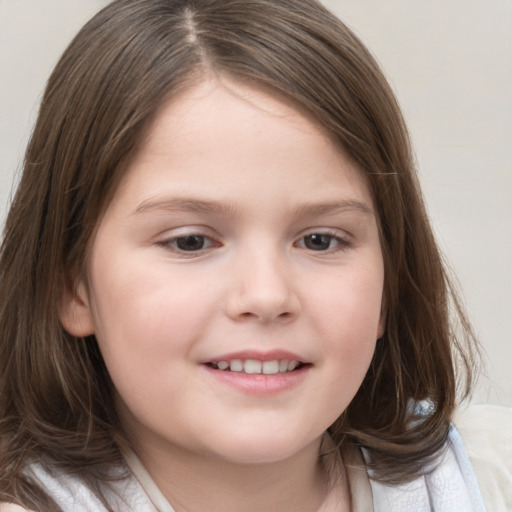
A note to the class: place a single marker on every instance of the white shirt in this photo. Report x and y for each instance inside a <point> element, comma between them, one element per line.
<point>485,429</point>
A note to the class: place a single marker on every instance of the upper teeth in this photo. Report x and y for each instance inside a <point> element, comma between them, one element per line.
<point>255,366</point>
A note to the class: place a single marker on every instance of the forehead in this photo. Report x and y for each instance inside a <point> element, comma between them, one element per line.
<point>216,135</point>
<point>208,100</point>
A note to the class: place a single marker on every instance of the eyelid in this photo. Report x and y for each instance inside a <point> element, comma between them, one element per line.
<point>344,239</point>
<point>169,237</point>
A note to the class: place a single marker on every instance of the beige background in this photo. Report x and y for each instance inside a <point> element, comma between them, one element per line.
<point>450,63</point>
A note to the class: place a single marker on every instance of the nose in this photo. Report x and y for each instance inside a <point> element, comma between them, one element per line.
<point>262,289</point>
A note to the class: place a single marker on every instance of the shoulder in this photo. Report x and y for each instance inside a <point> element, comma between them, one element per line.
<point>487,434</point>
<point>10,507</point>
<point>69,491</point>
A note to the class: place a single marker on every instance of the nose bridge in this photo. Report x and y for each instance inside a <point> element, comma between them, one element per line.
<point>263,287</point>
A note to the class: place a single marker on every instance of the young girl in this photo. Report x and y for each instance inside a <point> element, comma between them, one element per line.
<point>219,287</point>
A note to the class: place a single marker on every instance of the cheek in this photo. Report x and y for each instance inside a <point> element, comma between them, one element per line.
<point>145,330</point>
<point>348,318</point>
<point>146,301</point>
<point>147,324</point>
<point>351,304</point>
<point>351,337</point>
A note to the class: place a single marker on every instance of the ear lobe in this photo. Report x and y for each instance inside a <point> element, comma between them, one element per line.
<point>75,311</point>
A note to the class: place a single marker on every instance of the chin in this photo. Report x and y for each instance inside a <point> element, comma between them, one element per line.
<point>263,447</point>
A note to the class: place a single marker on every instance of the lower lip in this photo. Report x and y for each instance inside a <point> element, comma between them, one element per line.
<point>260,384</point>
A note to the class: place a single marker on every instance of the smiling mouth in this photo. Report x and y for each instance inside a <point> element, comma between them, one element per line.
<point>254,367</point>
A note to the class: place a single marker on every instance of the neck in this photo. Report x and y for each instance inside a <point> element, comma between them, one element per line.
<point>194,482</point>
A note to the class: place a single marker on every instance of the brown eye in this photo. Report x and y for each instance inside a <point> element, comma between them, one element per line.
<point>324,242</point>
<point>318,242</point>
<point>190,243</point>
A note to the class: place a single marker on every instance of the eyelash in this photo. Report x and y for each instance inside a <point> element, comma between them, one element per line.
<point>341,243</point>
<point>172,244</point>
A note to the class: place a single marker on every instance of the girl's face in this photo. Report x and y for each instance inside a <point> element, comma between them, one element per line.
<point>235,281</point>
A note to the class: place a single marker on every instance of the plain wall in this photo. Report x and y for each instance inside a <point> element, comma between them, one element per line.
<point>450,64</point>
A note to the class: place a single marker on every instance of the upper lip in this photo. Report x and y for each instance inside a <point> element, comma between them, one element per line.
<point>257,355</point>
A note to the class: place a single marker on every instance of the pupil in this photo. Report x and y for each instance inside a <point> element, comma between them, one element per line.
<point>190,243</point>
<point>318,242</point>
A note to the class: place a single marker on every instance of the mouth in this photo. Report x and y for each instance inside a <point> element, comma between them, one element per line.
<point>255,366</point>
<point>257,373</point>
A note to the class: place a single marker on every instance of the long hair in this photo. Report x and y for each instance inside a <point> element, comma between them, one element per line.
<point>56,397</point>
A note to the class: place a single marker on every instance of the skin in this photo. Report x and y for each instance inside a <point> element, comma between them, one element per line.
<point>253,178</point>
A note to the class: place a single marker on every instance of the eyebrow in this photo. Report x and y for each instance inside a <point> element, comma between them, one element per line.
<point>185,204</point>
<point>189,204</point>
<point>330,208</point>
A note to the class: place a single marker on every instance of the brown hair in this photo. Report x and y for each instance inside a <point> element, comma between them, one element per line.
<point>56,398</point>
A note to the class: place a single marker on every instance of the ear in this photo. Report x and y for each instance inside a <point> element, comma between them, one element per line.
<point>75,312</point>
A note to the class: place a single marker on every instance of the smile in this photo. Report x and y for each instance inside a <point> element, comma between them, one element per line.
<point>254,366</point>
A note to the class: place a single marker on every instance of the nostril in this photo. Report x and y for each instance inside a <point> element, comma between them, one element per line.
<point>266,317</point>
<point>265,305</point>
